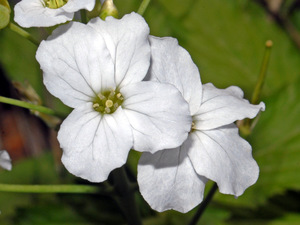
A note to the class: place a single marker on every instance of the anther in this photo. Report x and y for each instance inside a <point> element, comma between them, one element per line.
<point>101,96</point>
<point>96,106</point>
<point>119,95</point>
<point>107,110</point>
<point>111,94</point>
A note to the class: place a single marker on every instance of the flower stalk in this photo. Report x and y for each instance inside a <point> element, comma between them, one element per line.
<point>126,199</point>
<point>203,205</point>
<point>263,73</point>
<point>23,33</point>
<point>78,189</point>
<point>83,16</point>
<point>30,106</point>
<point>143,7</point>
<point>247,125</point>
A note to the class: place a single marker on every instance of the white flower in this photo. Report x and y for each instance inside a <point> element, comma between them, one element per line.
<point>5,161</point>
<point>46,13</point>
<point>98,69</point>
<point>175,178</point>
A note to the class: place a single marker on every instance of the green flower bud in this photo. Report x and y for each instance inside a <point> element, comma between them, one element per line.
<point>108,9</point>
<point>4,13</point>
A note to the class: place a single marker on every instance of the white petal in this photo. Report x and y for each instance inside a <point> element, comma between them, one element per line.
<point>76,5</point>
<point>5,161</point>
<point>127,41</point>
<point>172,64</point>
<point>32,13</point>
<point>224,157</point>
<point>223,106</point>
<point>93,145</point>
<point>167,180</point>
<point>76,64</point>
<point>158,114</point>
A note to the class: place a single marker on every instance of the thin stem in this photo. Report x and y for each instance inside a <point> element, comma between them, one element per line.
<point>23,33</point>
<point>203,205</point>
<point>83,16</point>
<point>27,105</point>
<point>262,74</point>
<point>143,7</point>
<point>79,189</point>
<point>126,198</point>
<point>247,124</point>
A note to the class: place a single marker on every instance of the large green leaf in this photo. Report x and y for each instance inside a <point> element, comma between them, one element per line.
<point>226,40</point>
<point>276,144</point>
<point>289,219</point>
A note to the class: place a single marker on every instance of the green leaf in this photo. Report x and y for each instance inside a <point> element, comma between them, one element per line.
<point>276,144</point>
<point>226,39</point>
<point>289,219</point>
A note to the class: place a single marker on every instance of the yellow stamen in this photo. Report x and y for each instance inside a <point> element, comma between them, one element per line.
<point>96,106</point>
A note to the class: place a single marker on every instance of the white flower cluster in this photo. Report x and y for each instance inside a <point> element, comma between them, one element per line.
<point>130,90</point>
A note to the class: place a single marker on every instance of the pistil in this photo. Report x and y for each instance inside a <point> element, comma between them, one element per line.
<point>193,127</point>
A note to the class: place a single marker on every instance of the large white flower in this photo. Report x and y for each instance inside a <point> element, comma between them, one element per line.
<point>46,13</point>
<point>98,69</point>
<point>175,178</point>
<point>5,161</point>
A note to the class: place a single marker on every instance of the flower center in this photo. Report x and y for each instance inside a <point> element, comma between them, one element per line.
<point>107,102</point>
<point>55,4</point>
<point>193,127</point>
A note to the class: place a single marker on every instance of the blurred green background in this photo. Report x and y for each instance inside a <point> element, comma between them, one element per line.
<point>226,39</point>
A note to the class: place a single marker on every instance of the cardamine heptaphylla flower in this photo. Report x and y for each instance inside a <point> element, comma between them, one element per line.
<point>176,178</point>
<point>98,69</point>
